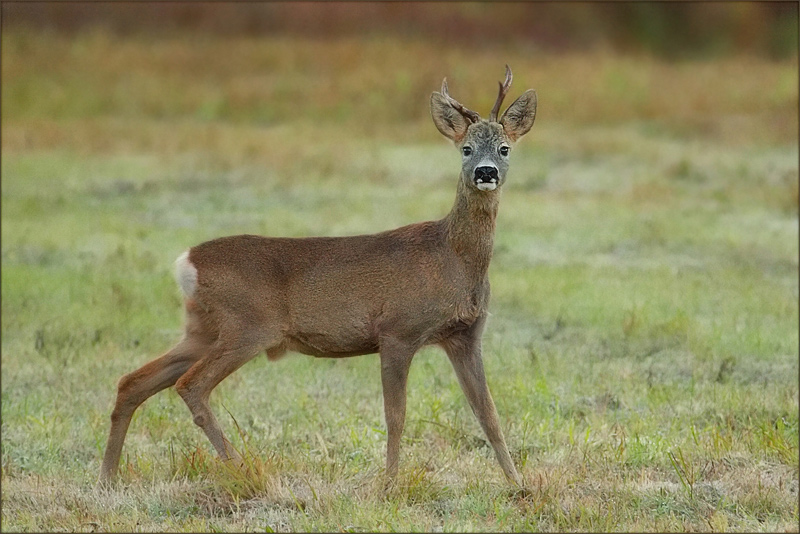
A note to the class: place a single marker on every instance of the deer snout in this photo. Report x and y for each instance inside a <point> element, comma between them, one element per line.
<point>486,178</point>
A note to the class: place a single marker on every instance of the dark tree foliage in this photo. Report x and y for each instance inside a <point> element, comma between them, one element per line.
<point>668,29</point>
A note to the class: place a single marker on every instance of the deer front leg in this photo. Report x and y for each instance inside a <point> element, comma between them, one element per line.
<point>395,361</point>
<point>464,352</point>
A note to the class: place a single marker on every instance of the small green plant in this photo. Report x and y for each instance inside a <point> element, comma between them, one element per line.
<point>688,472</point>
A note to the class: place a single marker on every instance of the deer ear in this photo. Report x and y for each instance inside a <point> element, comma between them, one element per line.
<point>447,119</point>
<point>518,118</point>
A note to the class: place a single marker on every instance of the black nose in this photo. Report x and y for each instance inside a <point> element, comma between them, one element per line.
<point>485,174</point>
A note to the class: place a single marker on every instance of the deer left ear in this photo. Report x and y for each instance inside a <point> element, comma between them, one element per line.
<point>518,118</point>
<point>447,119</point>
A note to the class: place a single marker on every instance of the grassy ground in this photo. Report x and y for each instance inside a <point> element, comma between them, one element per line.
<point>643,347</point>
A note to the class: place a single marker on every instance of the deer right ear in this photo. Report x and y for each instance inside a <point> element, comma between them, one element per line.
<point>518,118</point>
<point>447,119</point>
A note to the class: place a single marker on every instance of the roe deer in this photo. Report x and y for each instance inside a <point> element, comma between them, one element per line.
<point>332,297</point>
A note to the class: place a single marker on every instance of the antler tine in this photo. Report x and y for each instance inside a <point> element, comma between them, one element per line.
<point>467,113</point>
<point>501,95</point>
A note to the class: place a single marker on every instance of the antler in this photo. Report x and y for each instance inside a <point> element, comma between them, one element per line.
<point>467,113</point>
<point>502,94</point>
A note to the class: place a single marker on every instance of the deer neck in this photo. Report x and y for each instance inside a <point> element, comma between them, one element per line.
<point>470,227</point>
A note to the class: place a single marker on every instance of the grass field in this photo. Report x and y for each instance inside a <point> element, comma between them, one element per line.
<point>643,344</point>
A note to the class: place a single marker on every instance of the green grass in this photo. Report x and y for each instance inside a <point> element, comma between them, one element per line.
<point>643,345</point>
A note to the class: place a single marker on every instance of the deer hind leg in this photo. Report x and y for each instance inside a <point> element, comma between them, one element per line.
<point>196,384</point>
<point>136,387</point>
<point>465,355</point>
<point>395,361</point>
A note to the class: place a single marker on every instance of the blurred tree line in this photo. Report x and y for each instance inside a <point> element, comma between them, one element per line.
<point>667,29</point>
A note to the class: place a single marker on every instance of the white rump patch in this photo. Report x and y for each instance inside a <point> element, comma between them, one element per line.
<point>486,186</point>
<point>186,274</point>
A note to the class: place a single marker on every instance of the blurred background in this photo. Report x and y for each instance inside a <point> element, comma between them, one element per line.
<point>669,29</point>
<point>274,61</point>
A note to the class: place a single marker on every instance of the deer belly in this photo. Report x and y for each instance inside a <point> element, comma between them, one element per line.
<point>335,342</point>
<point>325,325</point>
<point>324,346</point>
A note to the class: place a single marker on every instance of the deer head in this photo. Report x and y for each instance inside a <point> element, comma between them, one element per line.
<point>485,145</point>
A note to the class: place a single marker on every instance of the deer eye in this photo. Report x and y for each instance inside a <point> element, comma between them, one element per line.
<point>467,150</point>
<point>504,150</point>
